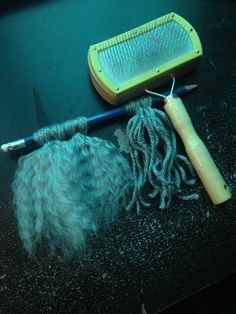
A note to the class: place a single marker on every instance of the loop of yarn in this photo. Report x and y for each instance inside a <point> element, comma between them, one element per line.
<point>133,106</point>
<point>155,162</point>
<point>61,131</point>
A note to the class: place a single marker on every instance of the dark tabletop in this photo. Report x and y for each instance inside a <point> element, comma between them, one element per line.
<point>144,262</point>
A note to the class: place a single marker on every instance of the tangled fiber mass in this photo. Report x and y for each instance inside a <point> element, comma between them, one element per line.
<point>67,189</point>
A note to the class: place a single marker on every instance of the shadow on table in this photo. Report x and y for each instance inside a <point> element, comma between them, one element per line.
<point>10,6</point>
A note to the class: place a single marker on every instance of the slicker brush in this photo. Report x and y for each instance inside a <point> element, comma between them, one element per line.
<point>144,57</point>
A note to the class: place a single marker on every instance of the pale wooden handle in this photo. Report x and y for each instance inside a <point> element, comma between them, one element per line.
<point>197,151</point>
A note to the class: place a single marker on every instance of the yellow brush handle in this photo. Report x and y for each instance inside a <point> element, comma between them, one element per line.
<point>197,151</point>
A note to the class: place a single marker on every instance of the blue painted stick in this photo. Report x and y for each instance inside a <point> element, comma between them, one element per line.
<point>97,119</point>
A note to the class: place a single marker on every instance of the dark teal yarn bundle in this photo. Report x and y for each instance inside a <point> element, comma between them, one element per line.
<point>155,162</point>
<point>69,188</point>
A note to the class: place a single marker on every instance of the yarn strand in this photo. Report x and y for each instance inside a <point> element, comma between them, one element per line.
<point>155,162</point>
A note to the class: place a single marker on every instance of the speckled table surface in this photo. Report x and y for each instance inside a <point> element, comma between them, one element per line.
<point>144,263</point>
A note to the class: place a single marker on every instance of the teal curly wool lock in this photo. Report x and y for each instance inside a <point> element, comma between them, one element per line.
<point>68,189</point>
